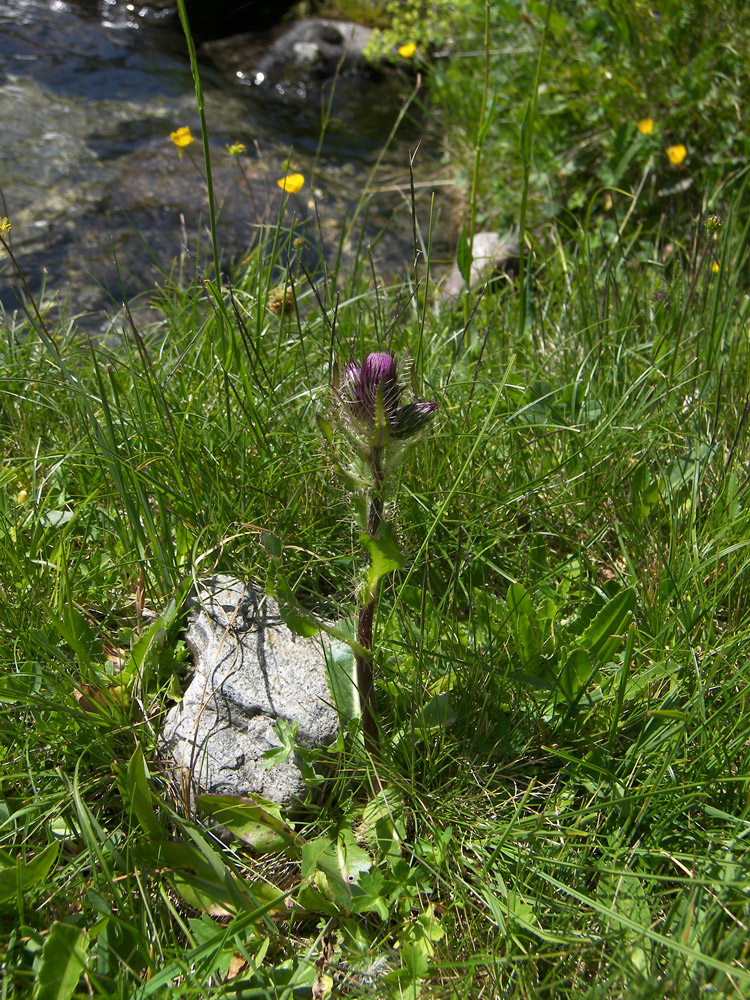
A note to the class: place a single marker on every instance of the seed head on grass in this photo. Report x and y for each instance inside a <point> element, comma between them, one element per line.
<point>280,299</point>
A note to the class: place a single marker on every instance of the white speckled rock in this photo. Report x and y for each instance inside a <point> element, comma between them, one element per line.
<point>491,254</point>
<point>250,670</point>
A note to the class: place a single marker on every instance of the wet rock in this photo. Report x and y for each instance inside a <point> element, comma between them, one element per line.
<point>210,19</point>
<point>492,256</point>
<point>300,53</point>
<point>250,670</point>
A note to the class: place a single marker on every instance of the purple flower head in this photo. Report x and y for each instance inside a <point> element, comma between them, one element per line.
<point>370,398</point>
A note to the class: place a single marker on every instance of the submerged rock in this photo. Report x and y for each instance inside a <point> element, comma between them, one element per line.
<point>219,18</point>
<point>250,670</point>
<point>300,53</point>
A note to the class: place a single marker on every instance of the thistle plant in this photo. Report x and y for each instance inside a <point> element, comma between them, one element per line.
<point>379,428</point>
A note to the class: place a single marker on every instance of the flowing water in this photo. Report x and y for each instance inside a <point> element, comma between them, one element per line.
<point>89,93</point>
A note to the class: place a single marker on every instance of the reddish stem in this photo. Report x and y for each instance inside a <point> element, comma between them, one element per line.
<point>366,616</point>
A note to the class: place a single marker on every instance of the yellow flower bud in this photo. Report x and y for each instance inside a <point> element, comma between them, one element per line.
<point>676,154</point>
<point>292,183</point>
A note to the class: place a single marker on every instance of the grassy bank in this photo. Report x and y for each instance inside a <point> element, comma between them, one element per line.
<point>573,821</point>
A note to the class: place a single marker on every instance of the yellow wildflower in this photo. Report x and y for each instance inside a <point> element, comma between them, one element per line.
<point>292,183</point>
<point>236,149</point>
<point>676,154</point>
<point>407,51</point>
<point>181,138</point>
<point>22,497</point>
<point>4,226</point>
<point>715,267</point>
<point>646,126</point>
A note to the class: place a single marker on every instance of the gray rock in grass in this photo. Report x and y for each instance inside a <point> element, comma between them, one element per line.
<point>492,255</point>
<point>250,670</point>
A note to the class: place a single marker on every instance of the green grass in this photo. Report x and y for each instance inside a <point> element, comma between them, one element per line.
<point>576,526</point>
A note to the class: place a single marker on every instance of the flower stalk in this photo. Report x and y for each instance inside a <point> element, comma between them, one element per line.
<point>379,427</point>
<point>363,665</point>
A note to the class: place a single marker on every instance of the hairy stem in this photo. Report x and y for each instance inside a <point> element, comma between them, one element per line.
<point>367,614</point>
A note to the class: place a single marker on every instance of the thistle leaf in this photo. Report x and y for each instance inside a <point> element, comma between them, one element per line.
<point>385,557</point>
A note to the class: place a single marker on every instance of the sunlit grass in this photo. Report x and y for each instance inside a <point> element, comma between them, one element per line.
<point>562,664</point>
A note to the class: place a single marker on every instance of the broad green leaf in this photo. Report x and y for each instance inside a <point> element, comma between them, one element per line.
<point>385,557</point>
<point>518,600</point>
<point>625,894</point>
<point>464,256</point>
<point>78,634</point>
<point>423,932</point>
<point>436,714</point>
<point>287,734</point>
<point>688,468</point>
<point>342,863</point>
<point>302,622</point>
<point>152,638</point>
<point>729,502</point>
<point>23,877</point>
<point>63,959</point>
<point>215,890</point>
<point>382,825</point>
<point>430,923</point>
<point>369,895</point>
<point>644,493</point>
<point>604,635</point>
<point>670,944</point>
<point>305,624</point>
<point>204,932</point>
<point>311,852</point>
<point>416,965</point>
<point>325,428</point>
<point>342,680</point>
<point>509,909</point>
<point>19,687</point>
<point>315,895</point>
<point>272,544</point>
<point>138,795</point>
<point>508,11</point>
<point>575,672</point>
<point>292,614</point>
<point>257,823</point>
<point>56,518</point>
<point>524,626</point>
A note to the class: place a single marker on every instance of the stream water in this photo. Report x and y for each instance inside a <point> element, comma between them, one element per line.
<point>89,93</point>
